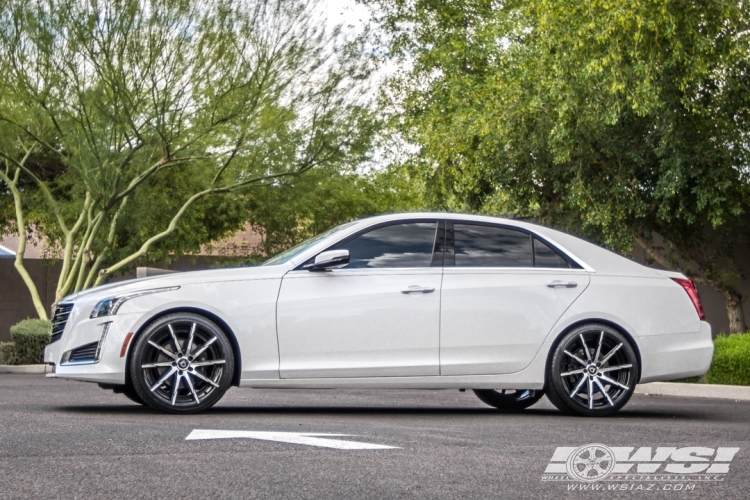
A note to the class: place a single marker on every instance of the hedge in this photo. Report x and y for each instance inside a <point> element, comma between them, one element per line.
<point>28,339</point>
<point>731,363</point>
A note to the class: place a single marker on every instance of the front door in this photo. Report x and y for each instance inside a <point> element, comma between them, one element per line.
<point>500,298</point>
<point>377,317</point>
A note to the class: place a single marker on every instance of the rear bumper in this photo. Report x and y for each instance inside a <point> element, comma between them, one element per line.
<point>670,357</point>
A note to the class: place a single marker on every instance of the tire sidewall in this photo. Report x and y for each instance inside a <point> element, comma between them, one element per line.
<point>129,392</point>
<point>560,395</point>
<point>136,374</point>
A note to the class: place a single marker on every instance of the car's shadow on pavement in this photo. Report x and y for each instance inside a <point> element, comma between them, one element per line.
<point>660,414</point>
<point>635,414</point>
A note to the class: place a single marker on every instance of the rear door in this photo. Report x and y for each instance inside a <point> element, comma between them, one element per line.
<point>503,290</point>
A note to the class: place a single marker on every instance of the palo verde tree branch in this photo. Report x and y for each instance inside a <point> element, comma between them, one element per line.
<point>21,225</point>
<point>156,115</point>
<point>72,275</point>
<point>156,167</point>
<point>651,250</point>
<point>69,243</point>
<point>105,251</point>
<point>43,187</point>
<point>86,250</point>
<point>180,213</point>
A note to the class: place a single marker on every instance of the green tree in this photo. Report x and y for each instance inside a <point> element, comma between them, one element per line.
<point>624,121</point>
<point>297,208</point>
<point>132,128</point>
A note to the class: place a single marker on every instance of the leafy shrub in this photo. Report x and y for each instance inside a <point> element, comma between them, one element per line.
<point>689,380</point>
<point>731,363</point>
<point>28,338</point>
<point>7,353</point>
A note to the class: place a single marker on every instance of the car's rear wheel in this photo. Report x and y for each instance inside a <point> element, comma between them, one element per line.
<point>593,371</point>
<point>509,399</point>
<point>182,363</point>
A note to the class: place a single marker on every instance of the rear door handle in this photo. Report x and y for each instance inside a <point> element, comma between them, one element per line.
<point>418,289</point>
<point>562,284</point>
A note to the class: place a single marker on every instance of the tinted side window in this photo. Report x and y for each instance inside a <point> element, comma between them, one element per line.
<point>544,256</point>
<point>487,246</point>
<point>398,245</point>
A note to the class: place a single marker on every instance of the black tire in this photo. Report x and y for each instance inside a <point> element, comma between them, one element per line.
<point>593,371</point>
<point>509,399</point>
<point>130,393</point>
<point>126,390</point>
<point>172,373</point>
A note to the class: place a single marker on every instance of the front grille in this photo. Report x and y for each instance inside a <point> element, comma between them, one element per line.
<point>84,353</point>
<point>59,319</point>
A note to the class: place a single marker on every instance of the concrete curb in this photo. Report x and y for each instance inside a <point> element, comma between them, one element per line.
<point>25,368</point>
<point>735,392</point>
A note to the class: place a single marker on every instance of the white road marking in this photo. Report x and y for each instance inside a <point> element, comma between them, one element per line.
<point>308,438</point>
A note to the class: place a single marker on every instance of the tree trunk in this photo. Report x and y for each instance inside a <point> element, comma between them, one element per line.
<point>732,299</point>
<point>733,302</point>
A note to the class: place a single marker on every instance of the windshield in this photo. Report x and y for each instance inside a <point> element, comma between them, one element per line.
<point>291,253</point>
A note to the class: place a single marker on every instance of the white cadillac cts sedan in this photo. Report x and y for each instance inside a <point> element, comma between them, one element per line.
<point>509,309</point>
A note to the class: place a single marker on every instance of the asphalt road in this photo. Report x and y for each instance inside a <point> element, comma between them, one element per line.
<point>61,439</point>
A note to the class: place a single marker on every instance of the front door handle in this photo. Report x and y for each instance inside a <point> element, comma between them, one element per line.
<point>562,284</point>
<point>418,289</point>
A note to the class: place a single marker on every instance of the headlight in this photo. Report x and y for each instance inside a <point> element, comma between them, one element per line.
<point>110,305</point>
<point>107,307</point>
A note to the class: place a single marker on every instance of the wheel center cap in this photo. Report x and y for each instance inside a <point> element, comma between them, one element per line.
<point>183,363</point>
<point>591,369</point>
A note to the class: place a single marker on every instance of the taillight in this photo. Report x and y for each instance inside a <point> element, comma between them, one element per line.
<point>692,292</point>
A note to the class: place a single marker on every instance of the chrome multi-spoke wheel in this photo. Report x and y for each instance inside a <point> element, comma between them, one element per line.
<point>509,399</point>
<point>182,363</point>
<point>593,371</point>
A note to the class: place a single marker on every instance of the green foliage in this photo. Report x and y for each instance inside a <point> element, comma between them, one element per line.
<point>31,326</point>
<point>209,219</point>
<point>7,353</point>
<point>614,119</point>
<point>689,380</point>
<point>132,132</point>
<point>731,363</point>
<point>28,338</point>
<point>297,209</point>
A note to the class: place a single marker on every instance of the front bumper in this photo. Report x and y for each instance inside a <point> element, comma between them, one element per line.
<point>671,357</point>
<point>111,365</point>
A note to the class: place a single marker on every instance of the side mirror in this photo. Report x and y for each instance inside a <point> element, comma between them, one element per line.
<point>332,259</point>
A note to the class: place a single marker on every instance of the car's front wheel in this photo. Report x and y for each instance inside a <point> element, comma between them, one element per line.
<point>129,392</point>
<point>509,399</point>
<point>593,371</point>
<point>182,363</point>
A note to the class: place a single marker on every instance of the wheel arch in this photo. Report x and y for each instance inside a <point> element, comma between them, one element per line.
<point>587,321</point>
<point>201,312</point>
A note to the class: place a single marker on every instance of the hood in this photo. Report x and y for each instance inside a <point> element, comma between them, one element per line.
<point>181,278</point>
